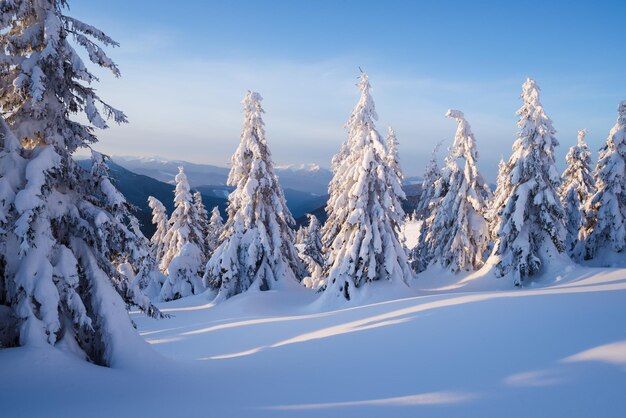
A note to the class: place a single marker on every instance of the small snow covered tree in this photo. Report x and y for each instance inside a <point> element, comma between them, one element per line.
<point>394,170</point>
<point>141,267</point>
<point>459,234</point>
<point>605,227</point>
<point>530,230</point>
<point>361,235</point>
<point>257,252</point>
<point>300,235</point>
<point>66,230</point>
<point>215,229</point>
<point>202,221</point>
<point>427,194</point>
<point>578,185</point>
<point>159,218</point>
<point>311,252</point>
<point>183,279</point>
<point>497,200</point>
<point>430,195</point>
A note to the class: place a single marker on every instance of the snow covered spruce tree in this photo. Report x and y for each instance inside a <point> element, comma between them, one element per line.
<point>66,228</point>
<point>498,199</point>
<point>160,220</point>
<point>605,228</point>
<point>420,255</point>
<point>311,253</point>
<point>257,252</point>
<point>141,266</point>
<point>361,235</point>
<point>202,221</point>
<point>215,229</point>
<point>184,245</point>
<point>530,230</point>
<point>427,194</point>
<point>578,185</point>
<point>459,233</point>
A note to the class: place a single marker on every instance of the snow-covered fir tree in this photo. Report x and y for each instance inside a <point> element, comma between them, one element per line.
<point>605,227</point>
<point>202,222</point>
<point>300,235</point>
<point>215,229</point>
<point>311,252</point>
<point>497,200</point>
<point>160,220</point>
<point>530,230</point>
<point>257,252</point>
<point>427,194</point>
<point>141,265</point>
<point>66,228</point>
<point>184,244</point>
<point>458,235</point>
<point>578,185</point>
<point>394,170</point>
<point>361,235</point>
<point>430,194</point>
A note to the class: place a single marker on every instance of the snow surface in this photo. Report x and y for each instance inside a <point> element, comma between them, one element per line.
<point>556,349</point>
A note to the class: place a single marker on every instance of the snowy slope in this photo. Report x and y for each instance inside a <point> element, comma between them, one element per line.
<point>552,351</point>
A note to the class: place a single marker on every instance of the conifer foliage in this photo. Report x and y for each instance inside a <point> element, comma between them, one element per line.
<point>458,233</point>
<point>201,222</point>
<point>257,251</point>
<point>605,227</point>
<point>431,175</point>
<point>160,220</point>
<point>215,229</point>
<point>498,199</point>
<point>183,259</point>
<point>577,187</point>
<point>361,235</point>
<point>311,252</point>
<point>530,229</point>
<point>65,229</point>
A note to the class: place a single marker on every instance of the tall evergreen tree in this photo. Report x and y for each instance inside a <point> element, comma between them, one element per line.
<point>66,229</point>
<point>184,243</point>
<point>605,227</point>
<point>531,230</point>
<point>578,185</point>
<point>361,235</point>
<point>216,227</point>
<point>459,233</point>
<point>257,251</point>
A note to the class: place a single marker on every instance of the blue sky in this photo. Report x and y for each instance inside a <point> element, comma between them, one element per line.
<point>186,65</point>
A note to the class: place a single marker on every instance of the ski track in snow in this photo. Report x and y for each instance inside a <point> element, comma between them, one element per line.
<point>554,350</point>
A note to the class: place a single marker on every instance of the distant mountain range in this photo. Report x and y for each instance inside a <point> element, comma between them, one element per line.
<point>305,186</point>
<point>309,178</point>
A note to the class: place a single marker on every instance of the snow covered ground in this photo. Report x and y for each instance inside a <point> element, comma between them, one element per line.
<point>557,349</point>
